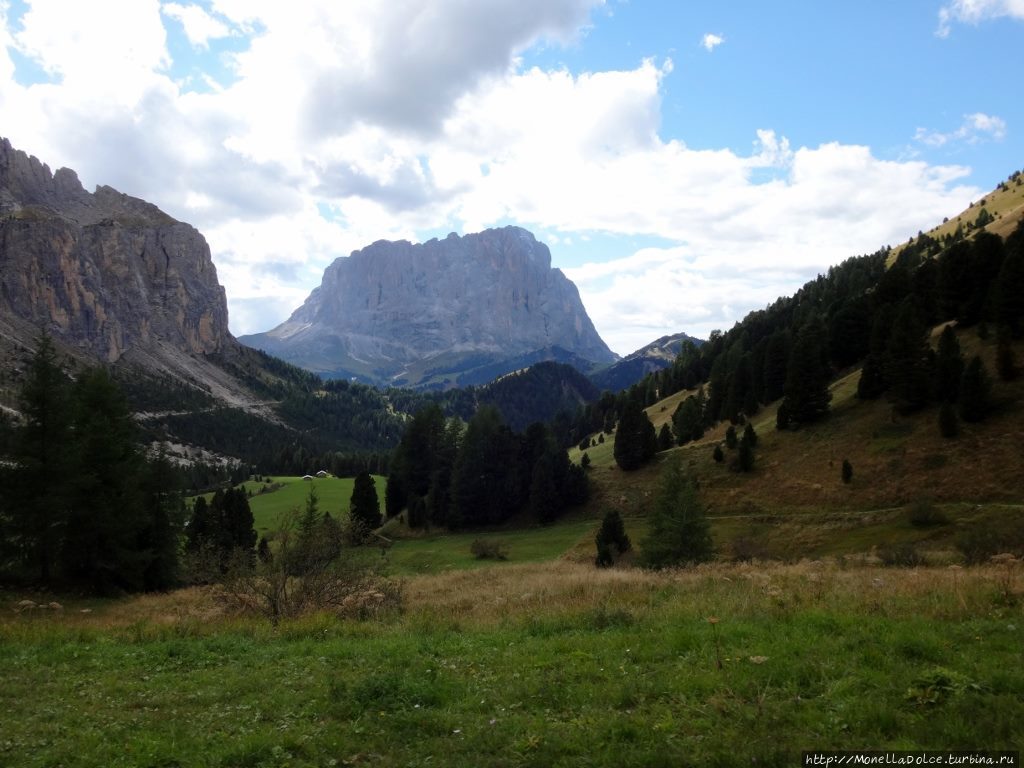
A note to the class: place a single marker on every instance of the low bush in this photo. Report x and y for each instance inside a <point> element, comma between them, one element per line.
<point>489,549</point>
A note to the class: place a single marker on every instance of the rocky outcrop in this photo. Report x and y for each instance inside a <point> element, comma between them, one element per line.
<point>426,314</point>
<point>103,272</point>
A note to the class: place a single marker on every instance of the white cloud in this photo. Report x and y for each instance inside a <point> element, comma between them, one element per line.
<point>710,41</point>
<point>976,11</point>
<point>975,128</point>
<point>200,27</point>
<point>346,123</point>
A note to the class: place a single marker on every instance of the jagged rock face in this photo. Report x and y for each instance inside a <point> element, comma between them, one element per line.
<point>104,272</point>
<point>396,311</point>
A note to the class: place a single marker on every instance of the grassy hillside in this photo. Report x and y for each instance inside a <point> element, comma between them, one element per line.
<point>795,504</point>
<point>1005,204</point>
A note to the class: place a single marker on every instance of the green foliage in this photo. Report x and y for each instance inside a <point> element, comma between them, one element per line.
<point>688,419</point>
<point>635,441</point>
<point>807,396</point>
<point>489,549</point>
<point>665,439</point>
<point>923,513</point>
<point>975,391</point>
<point>908,369</point>
<point>611,539</point>
<point>679,532</point>
<point>750,435</point>
<point>949,366</point>
<point>745,454</point>
<point>364,507</point>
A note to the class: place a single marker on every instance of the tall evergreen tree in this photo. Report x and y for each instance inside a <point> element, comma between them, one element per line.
<point>679,532</point>
<point>635,441</point>
<point>364,506</point>
<point>975,391</point>
<point>107,522</point>
<point>908,365</point>
<point>39,490</point>
<point>776,363</point>
<point>807,396</point>
<point>949,366</point>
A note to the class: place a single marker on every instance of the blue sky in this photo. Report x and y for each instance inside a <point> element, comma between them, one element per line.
<point>685,162</point>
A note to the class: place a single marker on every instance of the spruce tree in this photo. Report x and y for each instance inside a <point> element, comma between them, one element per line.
<point>101,547</point>
<point>908,367</point>
<point>611,538</point>
<point>40,490</point>
<point>807,396</point>
<point>949,366</point>
<point>975,391</point>
<point>679,532</point>
<point>847,471</point>
<point>364,506</point>
<point>730,437</point>
<point>544,504</point>
<point>665,437</point>
<point>635,441</point>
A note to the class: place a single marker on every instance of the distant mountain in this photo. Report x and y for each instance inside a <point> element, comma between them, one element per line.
<point>445,313</point>
<point>656,356</point>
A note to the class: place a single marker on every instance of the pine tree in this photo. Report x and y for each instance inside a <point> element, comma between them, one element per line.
<point>908,367</point>
<point>688,421</point>
<point>847,471</point>
<point>635,441</point>
<point>665,437</point>
<point>949,366</point>
<point>364,507</point>
<point>730,437</point>
<point>807,396</point>
<point>40,488</point>
<point>975,391</point>
<point>750,435</point>
<point>101,548</point>
<point>611,538</point>
<point>717,454</point>
<point>745,455</point>
<point>679,532</point>
<point>544,503</point>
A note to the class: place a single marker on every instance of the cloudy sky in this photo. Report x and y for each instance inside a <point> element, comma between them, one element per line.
<point>685,162</point>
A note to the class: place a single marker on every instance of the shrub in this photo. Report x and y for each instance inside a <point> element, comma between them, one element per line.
<point>730,437</point>
<point>305,576</point>
<point>923,513</point>
<point>718,455</point>
<point>489,549</point>
<point>847,472</point>
<point>904,555</point>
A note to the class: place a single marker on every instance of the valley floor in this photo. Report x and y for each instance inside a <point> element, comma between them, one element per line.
<point>544,664</point>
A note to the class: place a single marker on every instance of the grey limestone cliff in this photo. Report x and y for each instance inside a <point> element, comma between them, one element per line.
<point>103,272</point>
<point>424,314</point>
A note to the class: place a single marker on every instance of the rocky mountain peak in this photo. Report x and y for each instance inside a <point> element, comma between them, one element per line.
<point>425,314</point>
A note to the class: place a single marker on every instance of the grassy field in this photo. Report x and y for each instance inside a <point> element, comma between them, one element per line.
<point>549,664</point>
<point>436,554</point>
<point>333,495</point>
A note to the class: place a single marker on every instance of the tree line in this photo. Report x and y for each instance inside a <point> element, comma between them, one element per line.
<point>861,313</point>
<point>444,474</point>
